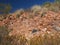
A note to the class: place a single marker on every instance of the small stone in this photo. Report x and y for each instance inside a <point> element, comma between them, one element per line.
<point>34,30</point>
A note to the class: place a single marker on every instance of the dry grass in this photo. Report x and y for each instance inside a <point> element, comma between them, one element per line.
<point>47,39</point>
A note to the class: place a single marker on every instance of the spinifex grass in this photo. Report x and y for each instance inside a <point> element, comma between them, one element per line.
<point>47,39</point>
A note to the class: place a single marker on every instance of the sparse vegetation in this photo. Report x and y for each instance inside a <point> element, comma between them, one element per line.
<point>47,39</point>
<point>21,21</point>
<point>4,35</point>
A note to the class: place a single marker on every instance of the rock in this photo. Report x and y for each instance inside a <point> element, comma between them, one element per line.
<point>57,28</point>
<point>34,30</point>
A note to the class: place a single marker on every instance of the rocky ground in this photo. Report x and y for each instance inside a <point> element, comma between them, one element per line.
<point>32,23</point>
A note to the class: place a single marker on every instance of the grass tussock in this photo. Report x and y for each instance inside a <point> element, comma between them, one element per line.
<point>46,39</point>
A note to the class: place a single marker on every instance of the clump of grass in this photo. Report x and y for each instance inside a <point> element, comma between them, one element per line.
<point>4,35</point>
<point>18,15</point>
<point>47,39</point>
<point>19,40</point>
